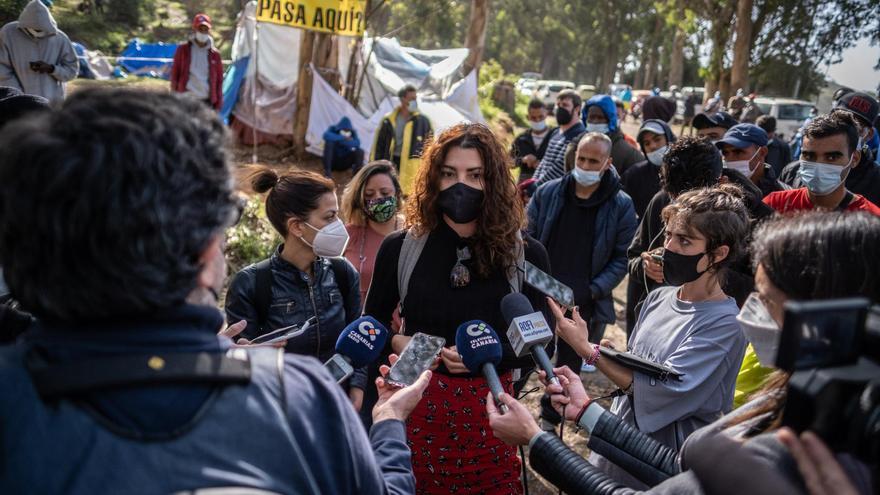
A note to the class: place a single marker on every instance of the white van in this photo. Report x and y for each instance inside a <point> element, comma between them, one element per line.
<point>790,114</point>
<point>547,91</point>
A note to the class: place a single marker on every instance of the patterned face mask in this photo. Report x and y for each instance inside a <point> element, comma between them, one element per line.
<point>381,210</point>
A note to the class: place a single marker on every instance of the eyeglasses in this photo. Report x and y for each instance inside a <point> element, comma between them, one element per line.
<point>460,276</point>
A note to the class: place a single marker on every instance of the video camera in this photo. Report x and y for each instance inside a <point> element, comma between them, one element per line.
<point>832,350</point>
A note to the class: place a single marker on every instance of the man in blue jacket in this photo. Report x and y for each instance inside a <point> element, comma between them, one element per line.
<point>342,148</point>
<point>113,239</point>
<point>586,222</point>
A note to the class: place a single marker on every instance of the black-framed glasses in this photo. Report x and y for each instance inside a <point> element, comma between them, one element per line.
<point>460,276</point>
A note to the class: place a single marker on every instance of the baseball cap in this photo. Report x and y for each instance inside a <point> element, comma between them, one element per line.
<point>201,20</point>
<point>717,119</point>
<point>743,135</point>
<point>651,126</point>
<point>861,105</point>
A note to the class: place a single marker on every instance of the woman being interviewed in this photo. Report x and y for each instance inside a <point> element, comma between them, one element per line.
<point>458,256</point>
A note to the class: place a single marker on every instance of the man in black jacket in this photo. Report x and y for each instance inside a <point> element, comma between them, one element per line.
<point>642,180</point>
<point>690,163</point>
<point>864,177</point>
<point>778,152</point>
<point>744,147</point>
<point>528,148</point>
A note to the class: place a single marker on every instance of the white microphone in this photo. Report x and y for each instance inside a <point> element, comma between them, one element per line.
<point>528,331</point>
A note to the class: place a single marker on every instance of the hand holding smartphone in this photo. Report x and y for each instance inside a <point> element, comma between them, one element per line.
<point>418,356</point>
<point>285,333</point>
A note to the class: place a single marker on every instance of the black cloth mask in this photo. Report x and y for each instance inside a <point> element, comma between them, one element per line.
<point>563,116</point>
<point>461,202</point>
<point>679,269</point>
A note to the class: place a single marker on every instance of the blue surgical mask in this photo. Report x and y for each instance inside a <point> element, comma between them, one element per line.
<point>600,128</point>
<point>656,157</point>
<point>586,178</point>
<point>823,178</point>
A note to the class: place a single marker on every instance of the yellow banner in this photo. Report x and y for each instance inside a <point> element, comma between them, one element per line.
<point>343,17</point>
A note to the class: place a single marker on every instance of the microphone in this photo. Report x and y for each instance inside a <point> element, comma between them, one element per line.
<point>528,331</point>
<point>480,351</point>
<point>359,344</point>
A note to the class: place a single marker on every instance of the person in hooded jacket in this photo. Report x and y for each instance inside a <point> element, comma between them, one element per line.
<point>36,57</point>
<point>642,180</point>
<point>689,163</point>
<point>864,177</point>
<point>342,148</point>
<point>600,115</point>
<point>197,68</point>
<point>586,222</point>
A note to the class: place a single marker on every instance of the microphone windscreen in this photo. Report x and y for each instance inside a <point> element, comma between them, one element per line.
<point>477,344</point>
<point>362,341</point>
<point>515,304</point>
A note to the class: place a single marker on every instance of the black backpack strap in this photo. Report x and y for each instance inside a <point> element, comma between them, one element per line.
<point>340,273</point>
<point>847,199</point>
<point>66,379</point>
<point>263,294</point>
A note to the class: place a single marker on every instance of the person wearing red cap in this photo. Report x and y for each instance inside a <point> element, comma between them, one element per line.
<point>197,68</point>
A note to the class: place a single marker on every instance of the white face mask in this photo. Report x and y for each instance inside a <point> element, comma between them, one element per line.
<point>203,37</point>
<point>413,106</point>
<point>823,178</point>
<point>600,128</point>
<point>656,157</point>
<point>36,33</point>
<point>586,177</point>
<point>760,330</point>
<point>330,241</point>
<point>743,166</point>
<point>538,126</point>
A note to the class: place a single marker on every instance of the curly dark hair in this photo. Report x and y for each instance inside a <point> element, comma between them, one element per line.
<point>837,122</point>
<point>107,203</point>
<point>502,216</point>
<point>690,163</point>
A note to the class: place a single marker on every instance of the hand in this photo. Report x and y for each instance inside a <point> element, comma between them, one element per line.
<point>819,468</point>
<point>569,393</point>
<point>515,427</point>
<point>530,160</point>
<point>572,330</point>
<point>396,402</point>
<point>42,67</point>
<point>232,330</point>
<point>452,360</point>
<point>653,270</point>
<point>356,395</point>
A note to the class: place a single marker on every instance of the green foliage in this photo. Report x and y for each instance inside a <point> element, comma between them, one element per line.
<point>490,74</point>
<point>252,239</point>
<point>10,10</point>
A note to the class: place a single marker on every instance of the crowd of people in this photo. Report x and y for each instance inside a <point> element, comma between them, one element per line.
<point>125,343</point>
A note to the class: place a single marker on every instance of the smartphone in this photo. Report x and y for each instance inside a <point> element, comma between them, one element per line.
<point>418,356</point>
<point>285,333</point>
<point>819,334</point>
<point>548,285</point>
<point>339,368</point>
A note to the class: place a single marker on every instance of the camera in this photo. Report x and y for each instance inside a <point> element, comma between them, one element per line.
<point>831,350</point>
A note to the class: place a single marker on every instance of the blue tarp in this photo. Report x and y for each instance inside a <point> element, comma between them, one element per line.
<point>231,85</point>
<point>85,69</point>
<point>162,52</point>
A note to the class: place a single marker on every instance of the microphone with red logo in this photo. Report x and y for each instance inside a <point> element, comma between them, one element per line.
<point>359,344</point>
<point>480,351</point>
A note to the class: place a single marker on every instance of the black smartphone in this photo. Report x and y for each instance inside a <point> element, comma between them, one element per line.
<point>548,285</point>
<point>418,356</point>
<point>285,333</point>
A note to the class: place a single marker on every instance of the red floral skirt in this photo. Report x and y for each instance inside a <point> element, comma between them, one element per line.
<point>453,449</point>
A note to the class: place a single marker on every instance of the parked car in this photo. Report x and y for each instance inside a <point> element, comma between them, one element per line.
<point>586,91</point>
<point>547,91</point>
<point>790,114</point>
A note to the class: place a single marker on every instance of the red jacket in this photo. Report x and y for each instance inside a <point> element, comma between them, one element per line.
<point>180,72</point>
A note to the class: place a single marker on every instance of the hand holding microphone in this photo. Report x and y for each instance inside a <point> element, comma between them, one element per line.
<point>517,426</point>
<point>480,350</point>
<point>359,344</point>
<point>573,331</point>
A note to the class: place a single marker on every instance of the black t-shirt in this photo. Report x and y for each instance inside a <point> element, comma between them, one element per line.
<point>570,247</point>
<point>433,307</point>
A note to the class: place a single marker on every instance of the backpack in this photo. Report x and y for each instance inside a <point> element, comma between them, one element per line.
<point>263,287</point>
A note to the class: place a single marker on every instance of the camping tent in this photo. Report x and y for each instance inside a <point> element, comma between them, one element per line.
<point>147,59</point>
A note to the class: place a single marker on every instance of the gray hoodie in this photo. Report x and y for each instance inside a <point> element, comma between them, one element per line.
<point>18,48</point>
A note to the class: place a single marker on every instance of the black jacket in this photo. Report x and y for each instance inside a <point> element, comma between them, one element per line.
<point>524,145</point>
<point>864,179</point>
<point>770,182</point>
<point>642,180</point>
<point>739,282</point>
<point>778,155</point>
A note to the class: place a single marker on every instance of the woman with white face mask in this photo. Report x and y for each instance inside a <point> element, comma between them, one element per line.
<point>306,278</point>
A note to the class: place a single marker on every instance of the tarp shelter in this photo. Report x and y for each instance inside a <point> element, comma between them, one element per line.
<point>269,82</point>
<point>92,64</point>
<point>147,59</point>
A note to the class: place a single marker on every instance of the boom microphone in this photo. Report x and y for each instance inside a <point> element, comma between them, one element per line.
<point>480,350</point>
<point>359,344</point>
<point>528,331</point>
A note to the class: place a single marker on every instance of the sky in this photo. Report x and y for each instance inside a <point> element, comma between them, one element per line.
<point>856,70</point>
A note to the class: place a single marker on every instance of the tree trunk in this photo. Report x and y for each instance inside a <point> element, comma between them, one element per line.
<point>654,57</point>
<point>739,72</point>
<point>676,57</point>
<point>303,90</point>
<point>476,35</point>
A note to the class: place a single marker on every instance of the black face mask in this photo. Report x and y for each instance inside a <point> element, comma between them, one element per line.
<point>679,269</point>
<point>563,116</point>
<point>461,202</point>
